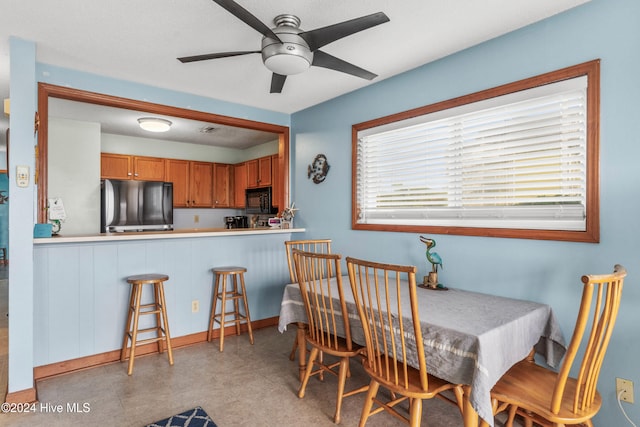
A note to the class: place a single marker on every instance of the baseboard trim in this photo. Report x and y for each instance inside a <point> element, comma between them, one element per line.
<point>23,396</point>
<point>96,360</point>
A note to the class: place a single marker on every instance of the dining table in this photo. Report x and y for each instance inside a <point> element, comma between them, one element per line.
<point>470,338</point>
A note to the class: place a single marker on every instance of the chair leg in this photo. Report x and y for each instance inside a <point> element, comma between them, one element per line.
<point>342,379</point>
<point>165,324</point>
<point>368,402</point>
<point>223,307</point>
<point>459,393</point>
<point>158,309</point>
<point>512,416</point>
<point>127,331</point>
<point>214,300</point>
<point>236,304</point>
<point>246,309</point>
<point>307,374</point>
<point>134,334</point>
<point>415,412</point>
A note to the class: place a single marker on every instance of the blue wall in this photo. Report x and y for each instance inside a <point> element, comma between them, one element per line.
<point>538,270</point>
<point>4,212</point>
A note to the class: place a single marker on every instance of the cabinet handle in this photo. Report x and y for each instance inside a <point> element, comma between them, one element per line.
<point>128,173</point>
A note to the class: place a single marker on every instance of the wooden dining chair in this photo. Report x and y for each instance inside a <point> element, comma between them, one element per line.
<point>386,300</point>
<point>328,331</point>
<point>310,245</point>
<point>550,398</point>
<point>322,246</point>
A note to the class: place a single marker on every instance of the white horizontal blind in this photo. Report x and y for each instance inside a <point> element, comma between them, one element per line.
<point>514,161</point>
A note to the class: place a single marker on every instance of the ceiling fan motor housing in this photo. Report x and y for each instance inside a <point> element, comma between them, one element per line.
<point>293,55</point>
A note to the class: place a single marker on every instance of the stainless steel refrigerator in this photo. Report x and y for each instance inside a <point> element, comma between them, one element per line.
<point>135,205</point>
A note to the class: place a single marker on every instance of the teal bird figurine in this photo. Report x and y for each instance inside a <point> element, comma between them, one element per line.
<point>432,257</point>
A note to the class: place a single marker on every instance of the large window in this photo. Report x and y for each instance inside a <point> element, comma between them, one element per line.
<point>520,160</point>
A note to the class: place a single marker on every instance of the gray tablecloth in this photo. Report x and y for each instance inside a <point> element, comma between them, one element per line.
<point>469,338</point>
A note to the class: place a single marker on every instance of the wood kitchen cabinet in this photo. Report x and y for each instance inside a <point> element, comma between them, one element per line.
<point>259,172</point>
<point>239,185</point>
<point>177,171</point>
<point>192,183</point>
<point>122,166</point>
<point>201,185</point>
<point>222,185</point>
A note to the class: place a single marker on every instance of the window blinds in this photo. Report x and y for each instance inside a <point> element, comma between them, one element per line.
<point>514,161</point>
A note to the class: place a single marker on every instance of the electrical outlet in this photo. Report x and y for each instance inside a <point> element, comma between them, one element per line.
<point>626,387</point>
<point>195,306</point>
<point>196,219</point>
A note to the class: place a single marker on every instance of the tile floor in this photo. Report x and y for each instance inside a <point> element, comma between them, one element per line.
<point>243,386</point>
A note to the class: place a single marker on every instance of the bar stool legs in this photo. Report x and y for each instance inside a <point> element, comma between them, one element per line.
<point>224,294</point>
<point>136,309</point>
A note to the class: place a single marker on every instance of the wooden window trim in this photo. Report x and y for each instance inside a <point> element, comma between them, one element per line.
<point>591,234</point>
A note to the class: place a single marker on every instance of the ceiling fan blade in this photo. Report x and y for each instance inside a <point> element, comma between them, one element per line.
<point>277,82</point>
<point>245,16</point>
<point>325,35</point>
<point>215,56</point>
<point>324,60</point>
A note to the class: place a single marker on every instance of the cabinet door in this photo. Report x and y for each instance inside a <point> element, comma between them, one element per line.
<point>252,173</point>
<point>276,184</point>
<point>264,171</point>
<point>148,168</point>
<point>221,187</point>
<point>177,172</point>
<point>201,185</point>
<point>115,166</point>
<point>239,184</point>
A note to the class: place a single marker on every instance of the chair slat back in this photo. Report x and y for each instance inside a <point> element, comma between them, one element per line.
<point>596,318</point>
<point>312,245</point>
<point>326,319</point>
<point>386,299</point>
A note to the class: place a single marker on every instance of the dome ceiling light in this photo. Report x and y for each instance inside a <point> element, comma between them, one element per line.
<point>153,124</point>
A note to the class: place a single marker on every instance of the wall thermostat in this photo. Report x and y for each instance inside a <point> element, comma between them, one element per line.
<point>22,176</point>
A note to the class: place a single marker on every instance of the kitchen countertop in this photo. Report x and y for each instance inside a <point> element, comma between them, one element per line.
<point>172,234</point>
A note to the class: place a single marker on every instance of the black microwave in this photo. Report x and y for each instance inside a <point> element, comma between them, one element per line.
<point>258,201</point>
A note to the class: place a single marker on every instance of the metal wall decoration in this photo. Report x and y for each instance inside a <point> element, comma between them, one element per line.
<point>318,170</point>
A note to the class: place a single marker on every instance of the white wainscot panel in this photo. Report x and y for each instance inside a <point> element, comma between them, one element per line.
<point>81,293</point>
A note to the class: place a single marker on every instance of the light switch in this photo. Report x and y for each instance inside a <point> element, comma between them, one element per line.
<point>22,176</point>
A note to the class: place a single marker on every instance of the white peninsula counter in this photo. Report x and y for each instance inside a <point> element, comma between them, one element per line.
<point>81,293</point>
<point>171,234</point>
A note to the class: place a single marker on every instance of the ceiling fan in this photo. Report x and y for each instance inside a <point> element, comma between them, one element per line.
<point>287,50</point>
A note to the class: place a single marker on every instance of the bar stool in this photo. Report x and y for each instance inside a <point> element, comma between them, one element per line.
<point>157,307</point>
<point>224,295</point>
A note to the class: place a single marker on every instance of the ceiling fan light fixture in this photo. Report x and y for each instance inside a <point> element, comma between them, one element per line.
<point>287,64</point>
<point>290,54</point>
<point>153,124</point>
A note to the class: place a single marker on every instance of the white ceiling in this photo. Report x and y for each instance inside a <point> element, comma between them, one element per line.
<point>125,122</point>
<point>139,41</point>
